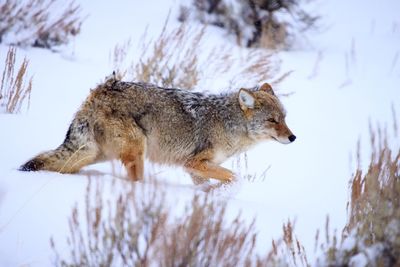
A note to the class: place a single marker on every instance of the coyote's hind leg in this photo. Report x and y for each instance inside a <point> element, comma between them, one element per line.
<point>132,157</point>
<point>124,140</point>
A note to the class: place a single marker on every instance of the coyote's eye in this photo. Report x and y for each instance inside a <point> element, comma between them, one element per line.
<point>272,120</point>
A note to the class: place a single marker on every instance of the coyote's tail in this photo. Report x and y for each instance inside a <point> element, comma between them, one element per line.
<point>53,160</point>
<point>77,150</point>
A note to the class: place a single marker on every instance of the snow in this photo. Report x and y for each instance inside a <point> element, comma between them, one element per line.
<point>344,76</point>
<point>367,255</point>
<point>358,260</point>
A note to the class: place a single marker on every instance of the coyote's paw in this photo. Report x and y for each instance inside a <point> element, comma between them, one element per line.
<point>221,187</point>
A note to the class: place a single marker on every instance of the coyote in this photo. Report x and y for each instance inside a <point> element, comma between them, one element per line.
<point>132,120</point>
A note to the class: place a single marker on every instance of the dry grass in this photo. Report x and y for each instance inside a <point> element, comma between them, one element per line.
<point>273,35</point>
<point>141,229</point>
<point>255,23</point>
<point>374,219</point>
<point>172,60</point>
<point>141,225</point>
<point>372,233</point>
<point>317,65</point>
<point>371,236</point>
<point>286,251</point>
<point>35,22</point>
<point>178,58</point>
<point>14,90</point>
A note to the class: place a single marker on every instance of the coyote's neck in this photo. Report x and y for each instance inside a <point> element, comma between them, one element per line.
<point>233,120</point>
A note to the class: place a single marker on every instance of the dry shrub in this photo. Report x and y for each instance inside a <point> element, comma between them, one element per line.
<point>327,246</point>
<point>293,245</point>
<point>255,23</point>
<point>141,229</point>
<point>204,237</point>
<point>35,22</point>
<point>286,251</point>
<point>172,60</point>
<point>371,236</point>
<point>374,220</point>
<point>14,90</point>
<point>182,58</point>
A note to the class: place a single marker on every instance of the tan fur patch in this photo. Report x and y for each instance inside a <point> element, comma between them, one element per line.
<point>201,166</point>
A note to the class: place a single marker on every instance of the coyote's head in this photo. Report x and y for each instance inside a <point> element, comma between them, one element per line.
<point>265,114</point>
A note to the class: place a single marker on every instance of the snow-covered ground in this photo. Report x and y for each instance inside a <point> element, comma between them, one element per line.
<point>344,76</point>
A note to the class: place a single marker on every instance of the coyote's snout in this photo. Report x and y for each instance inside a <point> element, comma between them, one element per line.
<point>130,121</point>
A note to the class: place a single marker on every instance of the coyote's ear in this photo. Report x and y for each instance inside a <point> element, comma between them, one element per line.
<point>246,100</point>
<point>266,87</point>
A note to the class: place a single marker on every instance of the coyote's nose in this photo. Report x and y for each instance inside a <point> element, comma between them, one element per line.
<point>292,138</point>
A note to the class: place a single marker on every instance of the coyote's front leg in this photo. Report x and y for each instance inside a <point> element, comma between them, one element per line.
<point>201,166</point>
<point>207,170</point>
